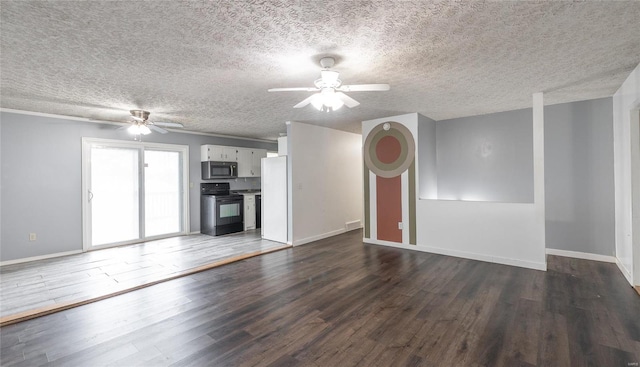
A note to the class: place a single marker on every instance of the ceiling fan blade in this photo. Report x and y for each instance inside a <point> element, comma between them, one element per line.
<point>124,127</point>
<point>364,88</point>
<point>168,124</point>
<point>348,101</point>
<point>306,101</point>
<point>302,89</point>
<point>157,129</point>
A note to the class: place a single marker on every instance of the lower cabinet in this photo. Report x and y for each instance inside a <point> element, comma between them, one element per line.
<point>249,211</point>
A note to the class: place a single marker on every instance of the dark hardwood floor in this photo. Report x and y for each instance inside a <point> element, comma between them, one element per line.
<point>338,302</point>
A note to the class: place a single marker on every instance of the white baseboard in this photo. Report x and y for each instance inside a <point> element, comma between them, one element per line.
<point>626,273</point>
<point>581,255</point>
<point>194,232</point>
<point>354,224</point>
<point>462,254</point>
<point>42,257</point>
<point>303,241</point>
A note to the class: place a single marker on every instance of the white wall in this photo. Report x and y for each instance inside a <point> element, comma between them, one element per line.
<point>326,181</point>
<point>626,101</point>
<point>506,233</point>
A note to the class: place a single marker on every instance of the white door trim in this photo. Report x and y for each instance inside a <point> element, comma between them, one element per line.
<point>142,146</point>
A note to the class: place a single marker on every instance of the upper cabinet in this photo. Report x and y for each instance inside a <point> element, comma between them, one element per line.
<point>248,159</point>
<point>218,153</point>
<point>244,162</point>
<point>257,156</point>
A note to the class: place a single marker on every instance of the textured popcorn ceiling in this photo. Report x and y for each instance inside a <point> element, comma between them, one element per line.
<point>208,65</point>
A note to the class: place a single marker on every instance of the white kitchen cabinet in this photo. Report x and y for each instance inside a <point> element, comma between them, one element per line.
<point>249,161</point>
<point>249,211</point>
<point>248,158</point>
<point>218,153</point>
<point>230,154</point>
<point>244,162</point>
<point>257,156</point>
<point>282,146</point>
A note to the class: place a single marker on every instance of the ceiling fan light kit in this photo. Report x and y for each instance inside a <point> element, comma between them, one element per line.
<point>139,129</point>
<point>329,88</point>
<point>142,126</point>
<point>328,79</point>
<point>327,100</point>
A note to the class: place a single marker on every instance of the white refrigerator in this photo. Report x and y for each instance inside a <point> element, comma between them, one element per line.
<point>274,199</point>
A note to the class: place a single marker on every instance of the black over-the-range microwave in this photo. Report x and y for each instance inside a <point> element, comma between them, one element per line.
<point>212,170</point>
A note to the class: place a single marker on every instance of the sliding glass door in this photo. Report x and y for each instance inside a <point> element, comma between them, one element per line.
<point>133,191</point>
<point>162,189</point>
<point>114,195</point>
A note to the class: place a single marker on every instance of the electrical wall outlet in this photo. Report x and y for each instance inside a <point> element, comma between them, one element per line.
<point>399,225</point>
<point>32,237</point>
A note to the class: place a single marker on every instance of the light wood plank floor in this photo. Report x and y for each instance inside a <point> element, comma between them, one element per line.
<point>44,284</point>
<point>337,302</point>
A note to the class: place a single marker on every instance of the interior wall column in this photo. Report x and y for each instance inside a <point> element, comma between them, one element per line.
<point>538,167</point>
<point>635,196</point>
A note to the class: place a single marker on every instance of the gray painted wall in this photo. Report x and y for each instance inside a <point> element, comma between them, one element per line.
<point>579,192</point>
<point>579,188</point>
<point>0,186</point>
<point>427,158</point>
<point>40,161</point>
<point>486,158</point>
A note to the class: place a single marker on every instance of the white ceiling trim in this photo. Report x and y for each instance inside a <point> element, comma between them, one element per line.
<point>94,121</point>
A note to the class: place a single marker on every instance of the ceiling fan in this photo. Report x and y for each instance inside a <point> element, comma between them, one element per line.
<point>140,125</point>
<point>330,88</point>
